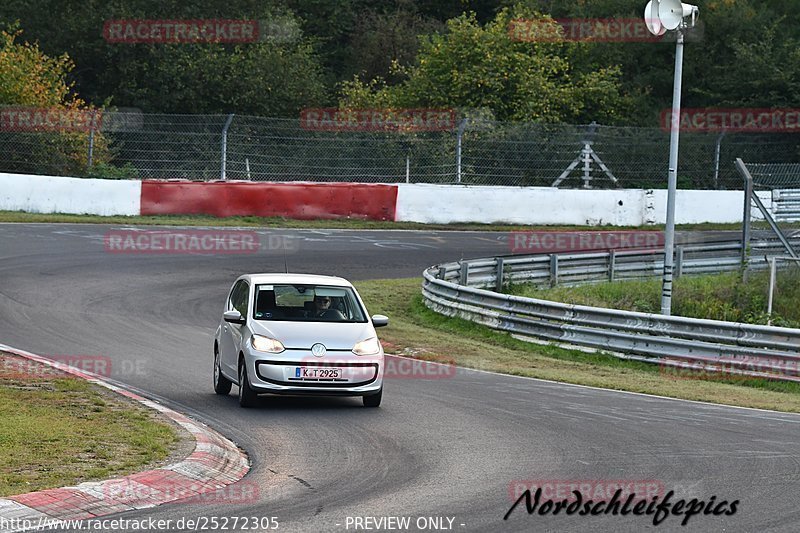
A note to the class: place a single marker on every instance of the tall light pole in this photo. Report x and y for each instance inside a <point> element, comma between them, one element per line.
<point>661,16</point>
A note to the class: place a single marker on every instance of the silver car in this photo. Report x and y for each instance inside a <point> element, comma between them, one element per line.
<point>298,334</point>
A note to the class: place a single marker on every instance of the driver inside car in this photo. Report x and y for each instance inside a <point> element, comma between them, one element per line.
<point>322,309</point>
<point>321,304</point>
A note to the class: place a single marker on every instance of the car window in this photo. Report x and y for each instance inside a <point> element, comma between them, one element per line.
<point>238,298</point>
<point>307,303</point>
<point>232,296</point>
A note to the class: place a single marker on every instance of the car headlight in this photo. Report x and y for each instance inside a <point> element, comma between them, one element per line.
<point>266,344</point>
<point>369,346</point>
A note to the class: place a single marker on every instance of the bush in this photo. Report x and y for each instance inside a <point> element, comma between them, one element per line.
<point>111,172</point>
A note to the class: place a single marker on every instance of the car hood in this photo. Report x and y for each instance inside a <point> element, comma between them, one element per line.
<point>303,335</point>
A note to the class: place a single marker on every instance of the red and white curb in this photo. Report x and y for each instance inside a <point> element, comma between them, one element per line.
<point>215,463</point>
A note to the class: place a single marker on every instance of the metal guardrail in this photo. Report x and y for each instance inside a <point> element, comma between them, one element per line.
<point>787,204</point>
<point>459,289</point>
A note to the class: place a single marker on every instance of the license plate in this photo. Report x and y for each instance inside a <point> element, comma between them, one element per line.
<point>304,372</point>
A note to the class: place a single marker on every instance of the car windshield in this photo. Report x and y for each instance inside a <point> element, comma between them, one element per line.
<point>307,303</point>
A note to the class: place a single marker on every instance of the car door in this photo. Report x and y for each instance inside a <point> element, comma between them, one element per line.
<point>239,331</point>
<point>231,336</point>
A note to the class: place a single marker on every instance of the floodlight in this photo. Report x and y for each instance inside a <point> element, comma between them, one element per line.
<point>651,18</point>
<point>672,12</point>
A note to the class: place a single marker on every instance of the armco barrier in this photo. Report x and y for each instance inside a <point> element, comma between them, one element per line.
<point>291,200</point>
<point>452,289</point>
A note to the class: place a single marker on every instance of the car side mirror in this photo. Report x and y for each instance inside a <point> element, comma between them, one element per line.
<point>233,316</point>
<point>379,321</point>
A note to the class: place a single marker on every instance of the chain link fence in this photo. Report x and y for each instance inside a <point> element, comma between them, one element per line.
<point>237,147</point>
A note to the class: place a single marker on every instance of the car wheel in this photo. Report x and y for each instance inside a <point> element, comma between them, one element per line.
<point>373,400</point>
<point>247,398</point>
<point>222,385</point>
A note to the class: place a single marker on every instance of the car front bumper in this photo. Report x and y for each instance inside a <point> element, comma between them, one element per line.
<point>281,373</point>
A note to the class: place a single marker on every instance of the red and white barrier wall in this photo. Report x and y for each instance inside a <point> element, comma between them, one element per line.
<point>424,203</point>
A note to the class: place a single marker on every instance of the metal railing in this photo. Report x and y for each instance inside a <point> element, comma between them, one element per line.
<point>485,152</point>
<point>459,289</point>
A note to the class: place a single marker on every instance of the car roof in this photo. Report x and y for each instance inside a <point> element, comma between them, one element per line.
<point>310,279</point>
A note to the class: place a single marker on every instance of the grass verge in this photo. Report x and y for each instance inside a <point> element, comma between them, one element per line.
<point>717,297</point>
<point>57,430</point>
<point>280,222</point>
<point>418,332</point>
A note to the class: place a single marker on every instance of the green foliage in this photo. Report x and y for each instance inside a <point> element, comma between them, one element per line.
<point>716,297</point>
<point>403,53</point>
<point>277,77</point>
<point>30,78</point>
<point>112,172</point>
<point>481,66</point>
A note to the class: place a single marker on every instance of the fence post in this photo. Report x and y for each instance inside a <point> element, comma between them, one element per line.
<point>716,159</point>
<point>463,277</point>
<point>222,174</point>
<point>90,158</point>
<point>612,264</point>
<point>773,261</point>
<point>498,279</point>
<point>553,270</point>
<point>679,262</point>
<point>746,214</point>
<point>459,136</point>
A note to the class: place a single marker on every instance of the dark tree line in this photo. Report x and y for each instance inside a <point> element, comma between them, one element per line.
<point>418,53</point>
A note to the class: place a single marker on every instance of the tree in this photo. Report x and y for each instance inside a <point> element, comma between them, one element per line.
<point>31,79</point>
<point>382,38</point>
<point>275,77</point>
<point>482,66</point>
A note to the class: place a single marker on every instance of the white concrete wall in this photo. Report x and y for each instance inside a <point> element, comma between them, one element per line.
<point>519,205</point>
<point>52,194</point>
<point>544,205</point>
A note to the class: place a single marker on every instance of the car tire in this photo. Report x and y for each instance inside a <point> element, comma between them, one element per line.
<point>222,385</point>
<point>247,398</point>
<point>373,400</point>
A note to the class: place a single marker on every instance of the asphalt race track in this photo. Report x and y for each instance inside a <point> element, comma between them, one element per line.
<point>448,448</point>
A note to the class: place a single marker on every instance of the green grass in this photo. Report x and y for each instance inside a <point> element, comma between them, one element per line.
<point>57,431</point>
<point>418,332</point>
<point>717,297</point>
<point>280,222</point>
